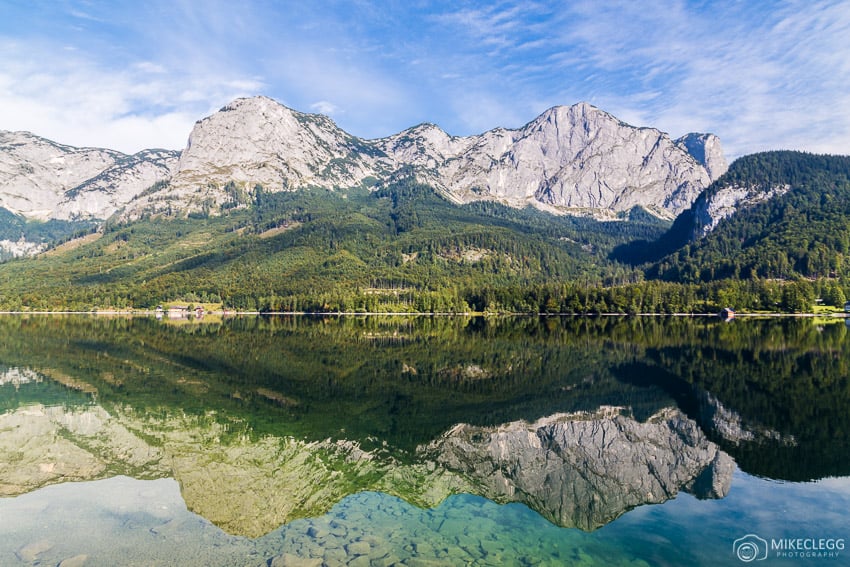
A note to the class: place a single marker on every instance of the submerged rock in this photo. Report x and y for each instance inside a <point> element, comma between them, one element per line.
<point>76,561</point>
<point>31,551</point>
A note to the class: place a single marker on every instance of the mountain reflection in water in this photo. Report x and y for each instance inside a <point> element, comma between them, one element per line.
<point>263,421</point>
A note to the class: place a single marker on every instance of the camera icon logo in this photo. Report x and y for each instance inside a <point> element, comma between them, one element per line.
<point>750,548</point>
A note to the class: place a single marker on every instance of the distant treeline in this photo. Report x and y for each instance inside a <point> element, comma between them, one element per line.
<point>569,298</point>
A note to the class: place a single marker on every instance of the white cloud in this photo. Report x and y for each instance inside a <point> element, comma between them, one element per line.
<point>80,126</point>
<point>149,67</point>
<point>502,25</point>
<point>324,107</point>
<point>84,15</point>
<point>75,101</point>
<point>758,77</point>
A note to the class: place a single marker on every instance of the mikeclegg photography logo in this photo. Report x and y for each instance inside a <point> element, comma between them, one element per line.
<point>752,547</point>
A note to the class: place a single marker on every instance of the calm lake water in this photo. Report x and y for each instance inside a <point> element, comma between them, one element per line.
<point>424,441</point>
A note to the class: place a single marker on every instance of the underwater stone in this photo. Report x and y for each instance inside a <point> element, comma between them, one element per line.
<point>76,561</point>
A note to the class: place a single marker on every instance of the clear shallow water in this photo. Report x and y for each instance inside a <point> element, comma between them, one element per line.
<point>415,441</point>
<point>121,521</point>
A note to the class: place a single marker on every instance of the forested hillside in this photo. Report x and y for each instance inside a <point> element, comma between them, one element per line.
<point>784,248</point>
<point>15,227</point>
<point>802,233</point>
<point>401,247</point>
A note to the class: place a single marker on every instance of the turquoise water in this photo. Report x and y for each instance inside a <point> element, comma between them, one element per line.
<point>121,521</point>
<point>420,441</point>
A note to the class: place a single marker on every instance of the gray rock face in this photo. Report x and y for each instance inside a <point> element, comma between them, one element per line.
<point>258,141</point>
<point>21,247</point>
<point>43,180</point>
<point>723,201</point>
<point>577,160</point>
<point>585,470</point>
<point>705,148</point>
<point>35,173</point>
<point>569,159</point>
<point>109,191</point>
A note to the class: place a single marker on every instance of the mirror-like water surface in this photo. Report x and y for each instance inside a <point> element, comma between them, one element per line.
<point>381,441</point>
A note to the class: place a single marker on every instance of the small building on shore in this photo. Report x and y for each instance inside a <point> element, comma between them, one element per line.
<point>178,311</point>
<point>727,314</point>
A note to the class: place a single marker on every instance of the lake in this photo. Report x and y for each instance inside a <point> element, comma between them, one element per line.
<point>376,441</point>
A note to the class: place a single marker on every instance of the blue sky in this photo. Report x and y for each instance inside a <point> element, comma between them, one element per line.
<point>131,75</point>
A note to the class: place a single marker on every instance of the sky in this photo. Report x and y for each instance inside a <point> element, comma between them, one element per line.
<point>129,75</point>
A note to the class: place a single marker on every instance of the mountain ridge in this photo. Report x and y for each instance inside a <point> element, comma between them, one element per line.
<point>570,159</point>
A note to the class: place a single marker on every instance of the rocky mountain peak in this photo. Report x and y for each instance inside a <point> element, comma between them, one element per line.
<point>258,141</point>
<point>251,103</point>
<point>571,129</point>
<point>706,149</point>
<point>426,146</point>
<point>578,113</point>
<point>579,159</point>
<point>571,159</point>
<point>38,177</point>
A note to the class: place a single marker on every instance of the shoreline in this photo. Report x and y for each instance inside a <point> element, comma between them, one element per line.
<point>236,313</point>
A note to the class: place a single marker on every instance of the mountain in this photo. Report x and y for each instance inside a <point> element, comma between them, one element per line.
<point>759,178</point>
<point>400,245</point>
<point>294,213</point>
<point>257,141</point>
<point>776,214</point>
<point>49,191</point>
<point>575,159</point>
<point>373,250</point>
<point>43,180</point>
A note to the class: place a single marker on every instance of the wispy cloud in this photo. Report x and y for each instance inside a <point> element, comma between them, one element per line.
<point>762,79</point>
<point>499,25</point>
<point>76,101</point>
<point>133,75</point>
<point>324,107</point>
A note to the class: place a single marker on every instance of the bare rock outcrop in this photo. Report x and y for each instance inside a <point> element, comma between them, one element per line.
<point>706,149</point>
<point>569,160</point>
<point>575,159</point>
<point>43,180</point>
<point>725,200</point>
